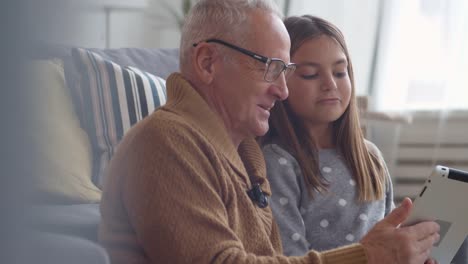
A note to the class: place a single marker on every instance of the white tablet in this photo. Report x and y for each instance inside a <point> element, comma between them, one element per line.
<point>444,199</point>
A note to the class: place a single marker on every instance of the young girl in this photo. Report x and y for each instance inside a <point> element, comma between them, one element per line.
<point>329,184</point>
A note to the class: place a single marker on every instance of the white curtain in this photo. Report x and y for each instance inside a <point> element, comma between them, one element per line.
<point>421,72</point>
<point>422,61</point>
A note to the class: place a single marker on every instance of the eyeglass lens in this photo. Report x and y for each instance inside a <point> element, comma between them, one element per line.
<point>275,68</point>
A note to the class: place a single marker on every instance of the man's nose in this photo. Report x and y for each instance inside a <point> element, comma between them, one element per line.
<point>280,87</point>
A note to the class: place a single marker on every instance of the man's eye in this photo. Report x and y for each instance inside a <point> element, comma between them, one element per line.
<point>309,76</point>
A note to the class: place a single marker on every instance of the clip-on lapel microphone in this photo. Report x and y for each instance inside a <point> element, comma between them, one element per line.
<point>258,196</point>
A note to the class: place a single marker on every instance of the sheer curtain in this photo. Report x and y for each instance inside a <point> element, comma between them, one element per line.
<point>421,71</point>
<point>422,61</point>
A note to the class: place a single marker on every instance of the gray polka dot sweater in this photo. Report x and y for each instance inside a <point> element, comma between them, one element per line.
<point>330,220</point>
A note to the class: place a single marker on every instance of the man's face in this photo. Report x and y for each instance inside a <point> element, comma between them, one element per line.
<point>245,98</point>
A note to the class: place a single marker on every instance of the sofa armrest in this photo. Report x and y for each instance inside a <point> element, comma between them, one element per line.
<point>79,220</point>
<point>44,247</point>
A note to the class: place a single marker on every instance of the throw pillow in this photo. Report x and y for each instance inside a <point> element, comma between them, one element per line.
<point>113,98</point>
<point>62,173</point>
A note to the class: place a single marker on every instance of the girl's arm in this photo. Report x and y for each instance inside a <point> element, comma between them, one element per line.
<point>284,176</point>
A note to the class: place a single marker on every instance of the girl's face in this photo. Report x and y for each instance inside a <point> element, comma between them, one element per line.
<point>320,88</point>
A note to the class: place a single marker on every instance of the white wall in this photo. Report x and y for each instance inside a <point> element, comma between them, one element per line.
<point>96,24</point>
<point>66,24</point>
<point>161,28</point>
<point>357,19</point>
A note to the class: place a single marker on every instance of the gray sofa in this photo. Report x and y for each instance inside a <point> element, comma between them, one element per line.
<point>60,227</point>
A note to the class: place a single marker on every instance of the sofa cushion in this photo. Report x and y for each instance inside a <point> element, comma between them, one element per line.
<point>30,246</point>
<point>81,220</point>
<point>62,174</point>
<point>160,62</point>
<point>113,98</point>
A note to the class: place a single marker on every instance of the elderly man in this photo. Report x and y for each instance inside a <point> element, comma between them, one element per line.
<point>187,184</point>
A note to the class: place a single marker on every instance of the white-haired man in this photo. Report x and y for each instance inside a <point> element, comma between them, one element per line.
<point>187,184</point>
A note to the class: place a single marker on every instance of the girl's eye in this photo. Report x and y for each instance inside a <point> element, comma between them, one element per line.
<point>309,76</point>
<point>341,74</point>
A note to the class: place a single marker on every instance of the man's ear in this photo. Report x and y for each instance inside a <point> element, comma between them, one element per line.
<point>204,59</point>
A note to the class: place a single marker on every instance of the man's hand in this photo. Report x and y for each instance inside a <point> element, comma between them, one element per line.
<point>386,242</point>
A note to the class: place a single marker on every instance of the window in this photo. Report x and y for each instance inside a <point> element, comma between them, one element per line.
<point>423,62</point>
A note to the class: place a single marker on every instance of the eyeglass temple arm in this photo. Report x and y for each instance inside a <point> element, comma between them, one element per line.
<point>244,51</point>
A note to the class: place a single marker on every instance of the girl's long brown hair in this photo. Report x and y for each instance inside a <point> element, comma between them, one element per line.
<point>365,165</point>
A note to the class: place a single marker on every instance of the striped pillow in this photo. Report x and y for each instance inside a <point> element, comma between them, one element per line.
<point>113,98</point>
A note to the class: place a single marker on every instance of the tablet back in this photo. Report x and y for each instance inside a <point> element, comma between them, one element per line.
<point>444,199</point>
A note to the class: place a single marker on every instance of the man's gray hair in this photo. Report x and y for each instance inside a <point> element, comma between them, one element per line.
<point>223,19</point>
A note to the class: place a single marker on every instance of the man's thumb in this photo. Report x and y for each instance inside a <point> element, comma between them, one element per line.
<point>399,214</point>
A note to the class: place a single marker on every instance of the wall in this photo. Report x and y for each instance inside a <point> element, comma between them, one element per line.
<point>357,19</point>
<point>70,24</point>
<point>161,28</point>
<point>97,24</point>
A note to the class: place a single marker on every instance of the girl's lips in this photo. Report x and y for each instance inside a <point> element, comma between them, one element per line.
<point>329,100</point>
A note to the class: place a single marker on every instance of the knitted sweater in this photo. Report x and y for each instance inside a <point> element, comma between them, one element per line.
<point>328,220</point>
<point>176,193</point>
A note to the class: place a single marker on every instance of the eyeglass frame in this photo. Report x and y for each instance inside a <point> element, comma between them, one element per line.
<point>291,66</point>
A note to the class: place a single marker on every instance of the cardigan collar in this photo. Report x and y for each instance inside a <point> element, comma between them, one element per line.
<point>248,159</point>
<point>183,99</point>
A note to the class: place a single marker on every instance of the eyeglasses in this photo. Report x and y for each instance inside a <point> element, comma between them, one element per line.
<point>274,67</point>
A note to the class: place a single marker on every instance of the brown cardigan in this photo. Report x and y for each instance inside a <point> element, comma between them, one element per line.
<point>176,193</point>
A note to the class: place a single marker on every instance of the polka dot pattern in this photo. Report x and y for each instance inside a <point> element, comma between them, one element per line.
<point>282,161</point>
<point>296,237</point>
<point>283,201</point>
<point>324,223</point>
<point>342,202</point>
<point>336,215</point>
<point>363,217</point>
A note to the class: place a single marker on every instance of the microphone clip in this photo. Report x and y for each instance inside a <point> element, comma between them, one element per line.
<point>258,196</point>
